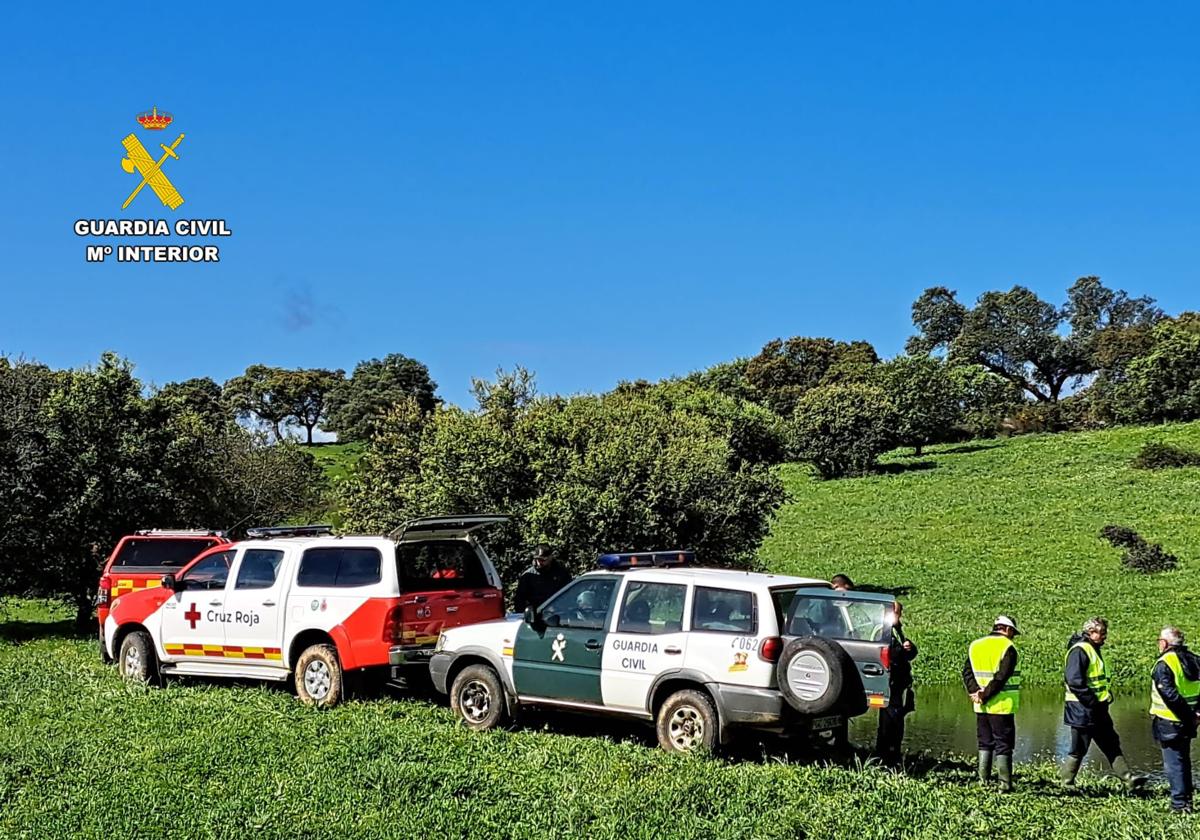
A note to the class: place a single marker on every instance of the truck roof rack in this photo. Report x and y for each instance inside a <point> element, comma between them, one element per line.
<point>289,531</point>
<point>178,532</point>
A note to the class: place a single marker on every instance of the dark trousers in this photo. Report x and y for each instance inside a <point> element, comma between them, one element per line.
<point>996,733</point>
<point>890,736</point>
<point>1102,732</point>
<point>1177,762</point>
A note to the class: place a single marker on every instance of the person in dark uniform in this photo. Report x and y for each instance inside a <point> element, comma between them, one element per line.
<point>901,653</point>
<point>543,578</point>
<point>1086,709</point>
<point>1174,711</point>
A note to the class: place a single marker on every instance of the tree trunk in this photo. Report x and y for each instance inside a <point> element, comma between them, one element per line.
<point>917,450</point>
<point>83,614</point>
<point>309,428</point>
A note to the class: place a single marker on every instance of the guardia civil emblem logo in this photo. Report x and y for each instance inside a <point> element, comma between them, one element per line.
<point>137,160</point>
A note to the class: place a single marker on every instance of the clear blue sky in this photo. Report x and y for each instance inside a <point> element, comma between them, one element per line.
<point>599,192</point>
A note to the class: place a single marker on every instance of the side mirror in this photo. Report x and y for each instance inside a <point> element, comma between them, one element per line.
<point>534,619</point>
<point>169,582</point>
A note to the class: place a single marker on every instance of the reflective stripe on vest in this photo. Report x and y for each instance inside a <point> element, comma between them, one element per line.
<point>985,655</point>
<point>1097,675</point>
<point>1189,690</point>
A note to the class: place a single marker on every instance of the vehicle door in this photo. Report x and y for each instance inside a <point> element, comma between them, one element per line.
<point>254,606</point>
<point>443,583</point>
<point>192,618</point>
<point>561,658</point>
<point>727,629</point>
<point>863,627</point>
<point>649,639</point>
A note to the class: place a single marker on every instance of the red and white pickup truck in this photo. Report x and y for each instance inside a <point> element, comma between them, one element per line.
<point>301,604</point>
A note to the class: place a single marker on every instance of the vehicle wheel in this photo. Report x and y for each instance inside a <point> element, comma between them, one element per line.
<point>477,696</point>
<point>319,679</point>
<point>816,676</point>
<point>136,660</point>
<point>687,722</point>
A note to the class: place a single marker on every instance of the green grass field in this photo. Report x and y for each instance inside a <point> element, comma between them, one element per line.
<point>83,754</point>
<point>1009,526</point>
<point>336,459</point>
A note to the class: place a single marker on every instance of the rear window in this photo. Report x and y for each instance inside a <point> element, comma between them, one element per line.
<point>432,565</point>
<point>724,611</point>
<point>840,618</point>
<point>159,553</point>
<point>339,567</point>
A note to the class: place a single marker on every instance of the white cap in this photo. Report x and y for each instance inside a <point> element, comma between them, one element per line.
<point>1005,621</point>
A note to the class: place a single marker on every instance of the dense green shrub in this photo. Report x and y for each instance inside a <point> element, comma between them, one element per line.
<point>843,429</point>
<point>928,401</point>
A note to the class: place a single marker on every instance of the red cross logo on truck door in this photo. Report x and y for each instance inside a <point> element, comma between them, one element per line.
<point>192,616</point>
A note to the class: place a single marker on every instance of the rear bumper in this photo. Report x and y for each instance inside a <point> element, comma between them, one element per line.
<point>741,705</point>
<point>401,660</point>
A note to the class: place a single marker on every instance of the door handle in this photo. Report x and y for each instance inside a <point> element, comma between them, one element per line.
<point>592,644</point>
<point>420,599</point>
<point>268,603</point>
<point>674,651</point>
<point>214,603</point>
<point>872,670</point>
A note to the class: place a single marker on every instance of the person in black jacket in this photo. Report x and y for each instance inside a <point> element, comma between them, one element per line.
<point>901,653</point>
<point>543,578</point>
<point>1174,711</point>
<point>1086,710</point>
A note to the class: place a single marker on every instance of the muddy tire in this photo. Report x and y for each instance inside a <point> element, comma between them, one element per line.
<point>816,676</point>
<point>477,696</point>
<point>136,660</point>
<point>687,722</point>
<point>319,678</point>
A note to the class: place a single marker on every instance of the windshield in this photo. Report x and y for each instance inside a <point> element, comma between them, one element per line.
<point>840,618</point>
<point>159,552</point>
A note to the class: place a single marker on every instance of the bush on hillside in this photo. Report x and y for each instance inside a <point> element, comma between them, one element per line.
<point>1140,556</point>
<point>1159,456</point>
<point>843,429</point>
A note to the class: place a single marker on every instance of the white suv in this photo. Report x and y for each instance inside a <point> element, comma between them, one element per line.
<point>696,651</point>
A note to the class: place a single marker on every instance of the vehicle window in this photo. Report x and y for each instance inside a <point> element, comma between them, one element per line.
<point>259,568</point>
<point>159,553</point>
<point>338,566</point>
<point>652,608</point>
<point>839,618</point>
<point>724,611</point>
<point>585,605</point>
<point>439,564</point>
<point>210,573</point>
<point>782,599</point>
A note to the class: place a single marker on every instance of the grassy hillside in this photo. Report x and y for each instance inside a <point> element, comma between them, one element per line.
<point>83,754</point>
<point>970,531</point>
<point>337,459</point>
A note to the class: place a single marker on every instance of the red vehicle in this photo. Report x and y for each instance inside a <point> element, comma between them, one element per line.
<point>140,560</point>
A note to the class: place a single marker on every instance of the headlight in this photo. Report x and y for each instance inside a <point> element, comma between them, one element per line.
<point>441,642</point>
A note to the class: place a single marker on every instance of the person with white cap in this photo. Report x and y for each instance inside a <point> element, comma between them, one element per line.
<point>993,682</point>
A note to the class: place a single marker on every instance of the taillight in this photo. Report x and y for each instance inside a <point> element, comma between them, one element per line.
<point>393,626</point>
<point>770,649</point>
<point>885,657</point>
<point>104,595</point>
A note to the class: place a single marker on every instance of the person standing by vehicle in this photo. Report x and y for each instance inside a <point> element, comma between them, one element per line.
<point>841,583</point>
<point>993,682</point>
<point>1174,712</point>
<point>543,578</point>
<point>901,653</point>
<point>1086,709</point>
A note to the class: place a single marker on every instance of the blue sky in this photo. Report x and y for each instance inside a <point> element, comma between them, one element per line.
<point>598,192</point>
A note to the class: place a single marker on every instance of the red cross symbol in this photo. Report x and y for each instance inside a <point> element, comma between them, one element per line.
<point>192,616</point>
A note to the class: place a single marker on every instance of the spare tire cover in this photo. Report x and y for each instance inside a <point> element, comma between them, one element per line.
<point>813,675</point>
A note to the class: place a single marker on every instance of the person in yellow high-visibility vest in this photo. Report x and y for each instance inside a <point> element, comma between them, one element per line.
<point>993,682</point>
<point>1175,711</point>
<point>1086,711</point>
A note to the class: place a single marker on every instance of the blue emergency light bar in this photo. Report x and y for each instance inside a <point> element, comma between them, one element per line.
<point>640,559</point>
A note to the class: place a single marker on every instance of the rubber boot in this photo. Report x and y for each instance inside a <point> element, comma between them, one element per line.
<point>1068,771</point>
<point>1133,781</point>
<point>985,766</point>
<point>1004,772</point>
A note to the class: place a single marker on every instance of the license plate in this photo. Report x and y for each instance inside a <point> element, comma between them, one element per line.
<point>823,724</point>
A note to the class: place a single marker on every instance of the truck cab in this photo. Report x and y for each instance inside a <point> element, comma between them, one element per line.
<point>299,603</point>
